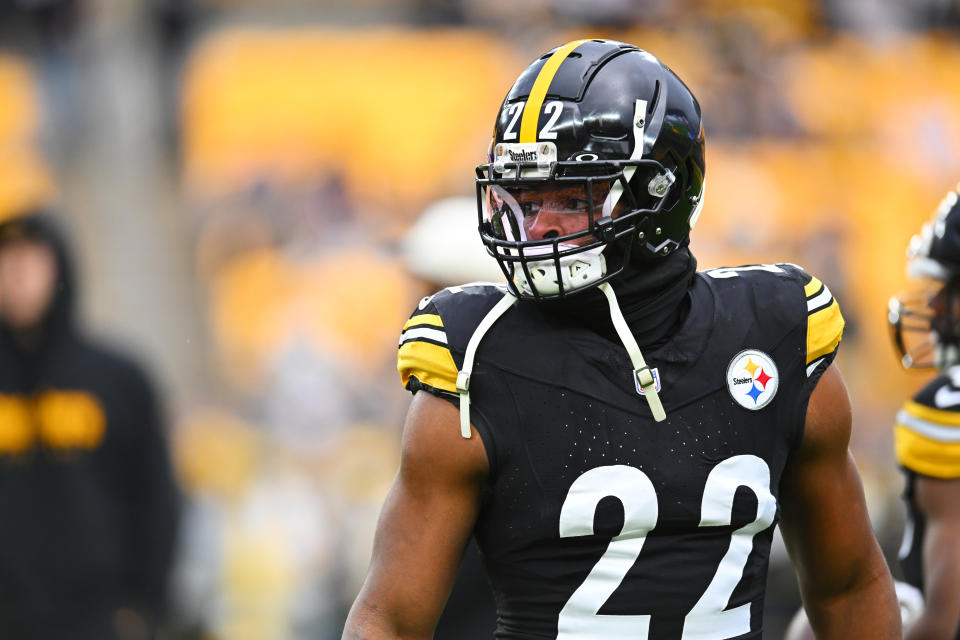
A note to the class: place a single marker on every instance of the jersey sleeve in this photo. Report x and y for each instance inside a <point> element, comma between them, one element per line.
<point>434,339</point>
<point>425,360</point>
<point>823,323</point>
<point>927,431</point>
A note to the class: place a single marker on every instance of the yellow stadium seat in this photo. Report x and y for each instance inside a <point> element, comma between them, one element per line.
<point>402,114</point>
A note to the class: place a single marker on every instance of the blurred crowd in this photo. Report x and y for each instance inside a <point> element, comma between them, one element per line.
<point>243,181</point>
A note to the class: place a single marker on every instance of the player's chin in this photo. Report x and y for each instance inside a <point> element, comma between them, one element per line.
<point>799,628</point>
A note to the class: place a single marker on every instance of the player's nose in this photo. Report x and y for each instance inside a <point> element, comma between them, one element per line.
<point>548,223</point>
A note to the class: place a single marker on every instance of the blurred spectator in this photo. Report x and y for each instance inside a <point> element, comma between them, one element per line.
<point>88,499</point>
<point>878,16</point>
<point>48,23</point>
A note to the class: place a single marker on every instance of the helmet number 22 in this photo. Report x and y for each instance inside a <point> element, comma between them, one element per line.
<point>554,108</point>
<point>709,619</point>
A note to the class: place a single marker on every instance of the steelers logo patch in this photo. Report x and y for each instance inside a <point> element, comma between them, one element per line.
<point>752,379</point>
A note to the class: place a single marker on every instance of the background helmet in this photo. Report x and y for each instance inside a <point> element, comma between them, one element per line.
<point>925,320</point>
<point>596,164</point>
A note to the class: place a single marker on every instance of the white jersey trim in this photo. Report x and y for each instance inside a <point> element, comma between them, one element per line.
<point>423,332</point>
<point>928,429</point>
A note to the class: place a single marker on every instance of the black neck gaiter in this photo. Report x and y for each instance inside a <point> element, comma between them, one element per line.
<point>652,296</point>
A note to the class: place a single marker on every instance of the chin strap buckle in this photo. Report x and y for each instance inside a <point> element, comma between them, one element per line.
<point>465,415</point>
<point>644,377</point>
<point>463,388</point>
<point>463,382</point>
<point>641,371</point>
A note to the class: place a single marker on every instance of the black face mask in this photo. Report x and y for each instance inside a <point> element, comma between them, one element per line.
<point>652,296</point>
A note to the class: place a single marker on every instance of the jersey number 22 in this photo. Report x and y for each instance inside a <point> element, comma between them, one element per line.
<point>709,619</point>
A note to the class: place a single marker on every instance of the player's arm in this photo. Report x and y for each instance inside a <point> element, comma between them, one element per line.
<point>424,526</point>
<point>939,501</point>
<point>846,587</point>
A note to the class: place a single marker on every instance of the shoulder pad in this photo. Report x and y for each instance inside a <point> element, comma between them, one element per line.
<point>434,339</point>
<point>927,432</point>
<point>824,321</point>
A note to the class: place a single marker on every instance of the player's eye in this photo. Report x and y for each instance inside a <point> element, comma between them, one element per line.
<point>577,204</point>
<point>530,208</point>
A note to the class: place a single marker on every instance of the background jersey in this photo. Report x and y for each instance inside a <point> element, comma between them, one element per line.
<point>927,438</point>
<point>600,522</point>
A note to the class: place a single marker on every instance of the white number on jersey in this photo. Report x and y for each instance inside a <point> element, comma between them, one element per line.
<point>709,619</point>
<point>733,272</point>
<point>579,618</point>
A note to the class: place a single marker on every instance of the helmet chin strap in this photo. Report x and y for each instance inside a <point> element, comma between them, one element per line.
<point>639,123</point>
<point>463,376</point>
<point>640,369</point>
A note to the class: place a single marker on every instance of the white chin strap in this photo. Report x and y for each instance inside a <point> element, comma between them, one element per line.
<point>463,376</point>
<point>640,369</point>
<point>575,272</point>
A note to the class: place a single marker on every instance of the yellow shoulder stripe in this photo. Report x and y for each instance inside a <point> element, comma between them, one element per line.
<point>531,112</point>
<point>431,364</point>
<point>824,330</point>
<point>950,418</point>
<point>812,287</point>
<point>926,456</point>
<point>424,318</point>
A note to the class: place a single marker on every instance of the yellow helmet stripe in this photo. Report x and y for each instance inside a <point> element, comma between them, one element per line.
<point>531,112</point>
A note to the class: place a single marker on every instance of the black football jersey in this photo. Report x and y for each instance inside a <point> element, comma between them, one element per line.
<point>600,522</point>
<point>927,438</point>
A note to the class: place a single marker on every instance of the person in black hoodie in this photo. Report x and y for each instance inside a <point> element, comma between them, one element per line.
<point>88,502</point>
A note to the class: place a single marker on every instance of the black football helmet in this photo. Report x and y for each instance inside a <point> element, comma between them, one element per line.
<point>596,165</point>
<point>925,320</point>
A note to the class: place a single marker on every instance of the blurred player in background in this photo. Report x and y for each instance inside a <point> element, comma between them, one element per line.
<point>87,498</point>
<point>620,432</point>
<point>926,331</point>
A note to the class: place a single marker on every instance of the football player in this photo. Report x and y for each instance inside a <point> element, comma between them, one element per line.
<point>926,332</point>
<point>620,432</point>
